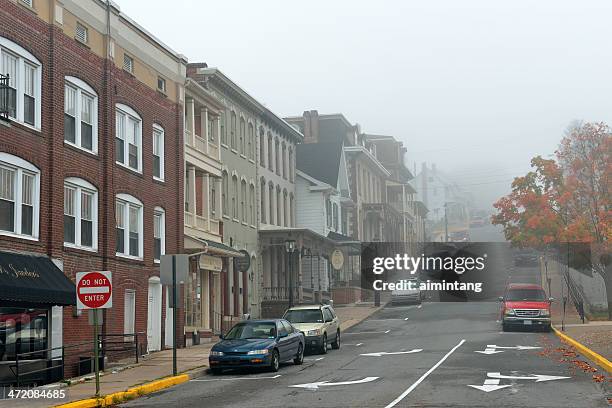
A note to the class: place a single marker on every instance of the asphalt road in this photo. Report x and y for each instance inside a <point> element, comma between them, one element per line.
<point>448,371</point>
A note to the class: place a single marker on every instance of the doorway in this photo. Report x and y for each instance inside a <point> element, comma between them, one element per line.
<point>154,314</point>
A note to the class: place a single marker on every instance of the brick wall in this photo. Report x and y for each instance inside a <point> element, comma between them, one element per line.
<point>61,56</point>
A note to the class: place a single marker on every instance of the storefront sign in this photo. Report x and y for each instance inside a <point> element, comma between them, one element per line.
<point>94,290</point>
<point>337,259</point>
<point>243,263</point>
<point>211,263</point>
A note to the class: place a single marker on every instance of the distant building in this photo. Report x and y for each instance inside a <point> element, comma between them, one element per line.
<point>446,202</point>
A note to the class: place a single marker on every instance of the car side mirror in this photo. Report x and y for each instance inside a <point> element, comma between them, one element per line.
<point>500,299</point>
<point>551,299</point>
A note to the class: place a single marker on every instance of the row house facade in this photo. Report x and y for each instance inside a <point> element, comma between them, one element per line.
<point>203,227</point>
<point>96,185</point>
<point>238,212</point>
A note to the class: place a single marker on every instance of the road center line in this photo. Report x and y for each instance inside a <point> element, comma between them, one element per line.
<point>424,376</point>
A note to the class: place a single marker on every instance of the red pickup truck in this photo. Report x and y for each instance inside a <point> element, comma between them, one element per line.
<point>525,305</point>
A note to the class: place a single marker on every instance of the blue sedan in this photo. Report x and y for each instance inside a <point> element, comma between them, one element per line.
<point>257,343</point>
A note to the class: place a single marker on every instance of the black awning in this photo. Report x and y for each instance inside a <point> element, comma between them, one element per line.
<point>29,278</point>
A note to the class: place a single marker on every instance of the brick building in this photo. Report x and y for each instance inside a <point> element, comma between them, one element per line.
<point>98,184</point>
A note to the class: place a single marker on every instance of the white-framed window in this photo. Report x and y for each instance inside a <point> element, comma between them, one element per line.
<point>225,193</point>
<point>158,152</point>
<point>80,115</point>
<point>252,208</point>
<point>128,138</point>
<point>243,200</point>
<point>27,2</point>
<point>129,226</point>
<point>25,79</point>
<point>161,84</point>
<point>235,197</point>
<point>159,233</point>
<point>80,214</point>
<point>19,197</point>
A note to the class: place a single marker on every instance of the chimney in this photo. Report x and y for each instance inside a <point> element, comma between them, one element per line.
<point>192,68</point>
<point>307,129</point>
<point>314,126</point>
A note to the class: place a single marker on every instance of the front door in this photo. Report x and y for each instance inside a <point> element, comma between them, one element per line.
<point>154,313</point>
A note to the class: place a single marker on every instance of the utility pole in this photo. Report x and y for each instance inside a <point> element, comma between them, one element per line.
<point>445,223</point>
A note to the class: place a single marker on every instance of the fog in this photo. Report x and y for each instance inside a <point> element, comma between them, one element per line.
<point>478,87</point>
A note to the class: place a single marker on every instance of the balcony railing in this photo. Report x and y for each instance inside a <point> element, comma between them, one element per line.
<point>280,293</point>
<point>199,143</point>
<point>201,223</point>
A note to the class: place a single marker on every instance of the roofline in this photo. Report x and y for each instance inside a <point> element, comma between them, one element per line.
<point>191,85</point>
<point>216,72</point>
<point>178,56</point>
<point>369,155</point>
<point>318,182</point>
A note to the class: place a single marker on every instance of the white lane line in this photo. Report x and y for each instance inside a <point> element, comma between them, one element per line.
<point>387,331</point>
<point>236,378</point>
<point>424,376</point>
<point>358,344</point>
<point>406,318</point>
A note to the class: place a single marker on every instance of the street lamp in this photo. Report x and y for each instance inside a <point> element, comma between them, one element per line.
<point>290,248</point>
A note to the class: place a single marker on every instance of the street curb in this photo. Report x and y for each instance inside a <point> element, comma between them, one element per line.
<point>596,358</point>
<point>357,321</point>
<point>131,393</point>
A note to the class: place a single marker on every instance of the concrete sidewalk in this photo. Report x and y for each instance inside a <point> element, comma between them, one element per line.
<point>595,335</point>
<point>192,360</point>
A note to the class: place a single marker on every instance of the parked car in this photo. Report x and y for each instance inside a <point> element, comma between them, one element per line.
<point>525,305</point>
<point>407,295</point>
<point>258,343</point>
<point>319,323</point>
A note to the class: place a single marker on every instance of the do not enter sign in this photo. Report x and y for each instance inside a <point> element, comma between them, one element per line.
<point>94,290</point>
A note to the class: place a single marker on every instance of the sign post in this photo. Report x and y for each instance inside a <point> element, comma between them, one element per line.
<point>95,291</point>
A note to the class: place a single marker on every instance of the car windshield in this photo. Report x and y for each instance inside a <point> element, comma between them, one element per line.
<point>304,316</point>
<point>252,330</point>
<point>526,294</point>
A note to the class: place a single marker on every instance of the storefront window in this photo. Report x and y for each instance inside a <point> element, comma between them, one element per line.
<point>22,330</point>
<point>193,300</point>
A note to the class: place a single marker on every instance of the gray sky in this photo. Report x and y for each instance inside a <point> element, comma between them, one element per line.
<point>479,87</point>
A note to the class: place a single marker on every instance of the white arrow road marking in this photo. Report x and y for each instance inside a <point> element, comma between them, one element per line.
<point>423,377</point>
<point>492,349</point>
<point>536,377</point>
<point>492,383</point>
<point>387,331</point>
<point>236,378</point>
<point>405,318</point>
<point>384,353</point>
<point>316,385</point>
<point>489,385</point>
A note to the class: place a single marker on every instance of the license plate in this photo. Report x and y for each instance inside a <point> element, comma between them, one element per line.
<point>527,322</point>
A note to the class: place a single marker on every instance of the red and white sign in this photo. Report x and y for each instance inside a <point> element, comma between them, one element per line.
<point>94,290</point>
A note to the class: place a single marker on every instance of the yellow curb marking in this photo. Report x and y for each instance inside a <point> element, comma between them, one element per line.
<point>131,393</point>
<point>597,358</point>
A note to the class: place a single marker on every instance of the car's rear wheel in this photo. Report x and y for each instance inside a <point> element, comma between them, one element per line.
<point>336,343</point>
<point>274,361</point>
<point>299,358</point>
<point>323,349</point>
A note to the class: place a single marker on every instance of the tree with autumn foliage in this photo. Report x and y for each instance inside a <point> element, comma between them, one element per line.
<point>565,199</point>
